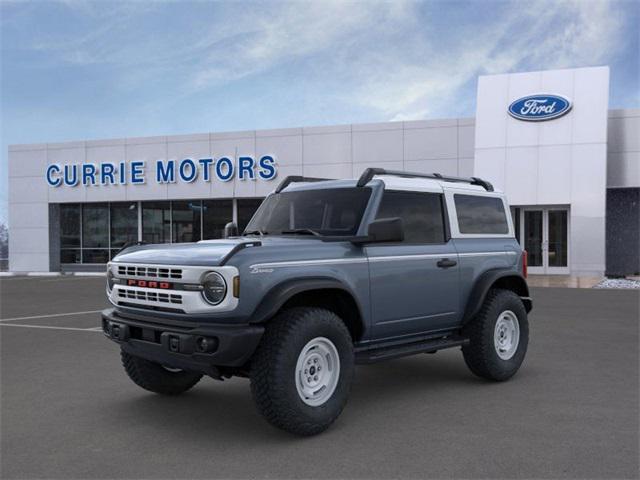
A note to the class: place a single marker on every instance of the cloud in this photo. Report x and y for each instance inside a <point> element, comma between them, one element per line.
<point>401,60</point>
<point>296,30</point>
<point>535,35</point>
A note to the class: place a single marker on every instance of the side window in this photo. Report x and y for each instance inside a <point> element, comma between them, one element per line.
<point>421,213</point>
<point>478,214</point>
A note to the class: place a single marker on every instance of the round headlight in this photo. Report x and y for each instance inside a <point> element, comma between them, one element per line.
<point>214,288</point>
<point>109,279</point>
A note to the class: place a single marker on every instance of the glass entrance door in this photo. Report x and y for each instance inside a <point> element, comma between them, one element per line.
<point>557,241</point>
<point>533,239</point>
<point>545,237</point>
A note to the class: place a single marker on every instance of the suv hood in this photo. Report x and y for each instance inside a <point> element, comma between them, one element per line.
<point>208,253</point>
<point>203,253</point>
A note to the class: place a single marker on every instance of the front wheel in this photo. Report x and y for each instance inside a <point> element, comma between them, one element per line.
<point>498,336</point>
<point>158,378</point>
<point>301,373</point>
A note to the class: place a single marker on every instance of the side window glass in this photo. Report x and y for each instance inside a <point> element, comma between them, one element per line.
<point>421,214</point>
<point>477,214</point>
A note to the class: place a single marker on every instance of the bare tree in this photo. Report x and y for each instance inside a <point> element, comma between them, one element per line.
<point>4,241</point>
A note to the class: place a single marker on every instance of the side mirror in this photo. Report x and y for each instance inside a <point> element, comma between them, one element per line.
<point>386,230</point>
<point>230,230</point>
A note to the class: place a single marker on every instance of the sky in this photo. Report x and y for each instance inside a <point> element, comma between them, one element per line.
<point>75,70</point>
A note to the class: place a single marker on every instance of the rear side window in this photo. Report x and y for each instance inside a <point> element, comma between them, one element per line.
<point>478,214</point>
<point>421,213</point>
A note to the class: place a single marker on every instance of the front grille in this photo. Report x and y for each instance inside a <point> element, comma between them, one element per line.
<point>155,308</point>
<point>149,296</point>
<point>149,272</point>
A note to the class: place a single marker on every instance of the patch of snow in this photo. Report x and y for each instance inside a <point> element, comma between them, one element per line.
<point>618,283</point>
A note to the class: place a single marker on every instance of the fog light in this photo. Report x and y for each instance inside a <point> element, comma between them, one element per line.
<point>206,345</point>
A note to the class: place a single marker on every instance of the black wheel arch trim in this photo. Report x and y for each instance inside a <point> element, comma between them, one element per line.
<point>278,295</point>
<point>487,280</point>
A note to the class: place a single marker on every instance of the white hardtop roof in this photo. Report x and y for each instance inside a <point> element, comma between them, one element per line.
<point>393,182</point>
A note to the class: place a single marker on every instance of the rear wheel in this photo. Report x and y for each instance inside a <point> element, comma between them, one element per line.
<point>498,336</point>
<point>301,373</point>
<point>158,378</point>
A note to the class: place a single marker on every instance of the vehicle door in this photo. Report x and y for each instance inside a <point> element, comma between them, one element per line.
<point>414,283</point>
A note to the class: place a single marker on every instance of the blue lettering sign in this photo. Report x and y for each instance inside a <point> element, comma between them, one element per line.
<point>186,170</point>
<point>137,172</point>
<point>88,174</point>
<point>51,180</point>
<point>221,165</point>
<point>71,175</point>
<point>123,173</point>
<point>106,173</point>
<point>245,168</point>
<point>267,168</point>
<point>165,174</point>
<point>206,168</point>
<point>188,174</point>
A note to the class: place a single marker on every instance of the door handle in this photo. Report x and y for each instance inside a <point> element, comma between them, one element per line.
<point>446,263</point>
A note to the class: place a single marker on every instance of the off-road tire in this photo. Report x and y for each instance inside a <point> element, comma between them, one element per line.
<point>273,377</point>
<point>155,378</point>
<point>480,354</point>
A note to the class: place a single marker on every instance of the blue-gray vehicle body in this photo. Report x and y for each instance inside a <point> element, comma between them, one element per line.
<point>399,290</point>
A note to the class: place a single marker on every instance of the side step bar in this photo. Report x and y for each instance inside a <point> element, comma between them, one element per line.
<point>373,355</point>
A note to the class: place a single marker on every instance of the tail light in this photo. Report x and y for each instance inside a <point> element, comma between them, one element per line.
<point>524,263</point>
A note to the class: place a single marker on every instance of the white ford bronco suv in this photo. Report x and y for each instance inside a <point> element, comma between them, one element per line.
<point>327,274</point>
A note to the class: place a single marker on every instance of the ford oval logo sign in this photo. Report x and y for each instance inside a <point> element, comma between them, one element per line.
<point>536,108</point>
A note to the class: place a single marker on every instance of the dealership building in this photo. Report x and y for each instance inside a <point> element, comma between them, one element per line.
<point>569,165</point>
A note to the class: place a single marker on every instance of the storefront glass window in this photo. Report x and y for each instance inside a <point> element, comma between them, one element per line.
<point>70,233</point>
<point>156,222</point>
<point>70,255</point>
<point>95,225</point>
<point>217,213</point>
<point>95,232</point>
<point>95,255</point>
<point>124,224</point>
<point>186,221</point>
<point>69,226</point>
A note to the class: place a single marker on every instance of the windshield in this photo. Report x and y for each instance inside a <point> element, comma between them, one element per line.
<point>332,211</point>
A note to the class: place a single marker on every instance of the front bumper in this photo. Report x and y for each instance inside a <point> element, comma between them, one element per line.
<point>179,344</point>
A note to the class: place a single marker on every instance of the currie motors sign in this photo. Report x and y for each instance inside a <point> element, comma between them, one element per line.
<point>540,107</point>
<point>137,172</point>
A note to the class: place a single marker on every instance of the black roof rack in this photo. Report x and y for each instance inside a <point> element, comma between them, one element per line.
<point>369,173</point>
<point>297,179</point>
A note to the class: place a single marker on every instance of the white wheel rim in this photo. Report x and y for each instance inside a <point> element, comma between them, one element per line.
<point>171,369</point>
<point>317,371</point>
<point>506,335</point>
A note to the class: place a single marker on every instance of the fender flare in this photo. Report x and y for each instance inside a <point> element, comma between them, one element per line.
<point>278,295</point>
<point>486,281</point>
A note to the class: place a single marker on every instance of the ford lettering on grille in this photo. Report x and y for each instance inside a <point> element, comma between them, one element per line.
<point>149,284</point>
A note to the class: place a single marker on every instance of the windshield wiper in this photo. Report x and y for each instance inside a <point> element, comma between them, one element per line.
<point>302,231</point>
<point>255,232</point>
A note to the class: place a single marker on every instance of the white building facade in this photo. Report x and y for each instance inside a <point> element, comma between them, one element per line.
<point>569,165</point>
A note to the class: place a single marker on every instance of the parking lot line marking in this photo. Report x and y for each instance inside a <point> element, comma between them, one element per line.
<point>34,317</point>
<point>50,327</point>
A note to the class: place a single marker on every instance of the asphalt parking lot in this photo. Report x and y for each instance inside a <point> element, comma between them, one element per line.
<point>69,411</point>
